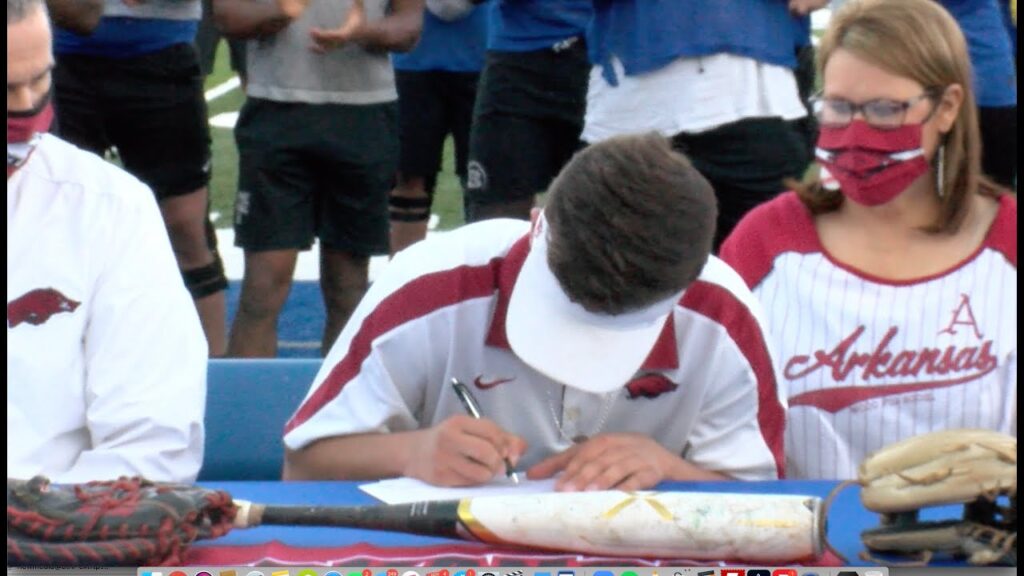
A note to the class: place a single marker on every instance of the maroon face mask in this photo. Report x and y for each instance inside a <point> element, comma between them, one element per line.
<point>872,165</point>
<point>22,128</point>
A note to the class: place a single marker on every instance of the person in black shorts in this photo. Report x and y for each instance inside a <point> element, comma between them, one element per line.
<point>437,84</point>
<point>318,149</point>
<point>134,84</point>
<point>530,104</point>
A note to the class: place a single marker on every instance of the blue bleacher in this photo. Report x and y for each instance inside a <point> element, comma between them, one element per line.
<point>247,405</point>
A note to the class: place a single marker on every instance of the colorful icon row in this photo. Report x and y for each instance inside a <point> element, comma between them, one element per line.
<point>493,572</point>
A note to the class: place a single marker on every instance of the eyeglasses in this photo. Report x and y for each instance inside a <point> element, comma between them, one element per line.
<point>881,113</point>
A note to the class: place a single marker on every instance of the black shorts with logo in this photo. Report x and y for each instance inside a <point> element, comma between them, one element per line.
<point>431,105</point>
<point>150,107</point>
<point>315,170</point>
<point>527,122</point>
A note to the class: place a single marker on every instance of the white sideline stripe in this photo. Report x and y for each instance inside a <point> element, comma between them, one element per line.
<point>226,120</point>
<point>222,89</point>
<point>298,345</point>
<point>307,267</point>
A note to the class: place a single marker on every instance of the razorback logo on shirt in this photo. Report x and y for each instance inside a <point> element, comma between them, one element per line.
<point>37,306</point>
<point>930,367</point>
<point>649,386</point>
<point>485,383</point>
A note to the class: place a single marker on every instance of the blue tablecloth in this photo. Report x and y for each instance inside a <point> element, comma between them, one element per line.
<point>846,520</point>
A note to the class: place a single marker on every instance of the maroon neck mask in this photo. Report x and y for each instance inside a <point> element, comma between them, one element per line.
<point>22,127</point>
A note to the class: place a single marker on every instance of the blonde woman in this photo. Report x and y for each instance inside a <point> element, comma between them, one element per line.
<point>890,289</point>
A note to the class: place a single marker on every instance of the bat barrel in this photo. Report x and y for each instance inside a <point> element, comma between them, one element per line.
<point>697,526</point>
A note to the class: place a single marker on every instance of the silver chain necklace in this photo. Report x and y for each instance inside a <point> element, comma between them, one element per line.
<point>606,409</point>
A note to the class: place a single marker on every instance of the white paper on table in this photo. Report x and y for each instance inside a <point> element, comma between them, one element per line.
<point>406,490</point>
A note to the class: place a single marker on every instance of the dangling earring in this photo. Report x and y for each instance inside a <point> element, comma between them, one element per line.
<point>941,176</point>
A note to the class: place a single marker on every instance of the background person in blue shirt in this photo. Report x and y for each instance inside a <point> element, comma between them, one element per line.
<point>992,42</point>
<point>1009,10</point>
<point>995,83</point>
<point>437,85</point>
<point>530,104</point>
<point>715,77</point>
<point>134,83</point>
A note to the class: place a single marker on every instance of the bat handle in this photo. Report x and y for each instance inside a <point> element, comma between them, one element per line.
<point>249,515</point>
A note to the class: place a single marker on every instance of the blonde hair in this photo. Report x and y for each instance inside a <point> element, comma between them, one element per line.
<point>919,40</point>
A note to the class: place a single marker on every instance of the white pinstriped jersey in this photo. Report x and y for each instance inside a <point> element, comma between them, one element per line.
<point>866,362</point>
<point>706,391</point>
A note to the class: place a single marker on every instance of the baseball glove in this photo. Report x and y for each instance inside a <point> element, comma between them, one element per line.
<point>976,468</point>
<point>125,522</point>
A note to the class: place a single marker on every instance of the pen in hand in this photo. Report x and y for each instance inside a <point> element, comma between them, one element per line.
<point>474,410</point>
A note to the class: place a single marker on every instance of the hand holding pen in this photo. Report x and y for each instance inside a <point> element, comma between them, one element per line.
<point>462,450</point>
<point>473,408</point>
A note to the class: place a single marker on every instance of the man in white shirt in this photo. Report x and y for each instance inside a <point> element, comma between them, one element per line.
<point>602,343</point>
<point>106,359</point>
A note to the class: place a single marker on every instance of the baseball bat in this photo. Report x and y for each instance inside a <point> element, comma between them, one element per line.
<point>757,528</point>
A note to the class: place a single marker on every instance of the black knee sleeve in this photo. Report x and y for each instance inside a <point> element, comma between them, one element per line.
<point>206,280</point>
<point>409,209</point>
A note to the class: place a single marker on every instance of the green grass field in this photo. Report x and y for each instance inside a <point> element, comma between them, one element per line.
<point>447,200</point>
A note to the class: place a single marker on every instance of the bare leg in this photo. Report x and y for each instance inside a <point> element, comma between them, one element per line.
<point>343,282</point>
<point>186,220</point>
<point>265,286</point>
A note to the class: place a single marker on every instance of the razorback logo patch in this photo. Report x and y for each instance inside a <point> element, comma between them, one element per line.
<point>649,386</point>
<point>38,306</point>
<point>486,384</point>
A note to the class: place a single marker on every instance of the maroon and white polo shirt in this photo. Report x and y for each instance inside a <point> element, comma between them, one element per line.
<point>706,391</point>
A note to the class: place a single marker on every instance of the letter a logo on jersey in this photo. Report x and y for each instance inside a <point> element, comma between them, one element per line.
<point>962,316</point>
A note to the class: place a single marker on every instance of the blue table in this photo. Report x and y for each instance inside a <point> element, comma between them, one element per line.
<point>304,545</point>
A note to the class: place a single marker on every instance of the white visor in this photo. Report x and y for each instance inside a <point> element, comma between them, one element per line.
<point>590,351</point>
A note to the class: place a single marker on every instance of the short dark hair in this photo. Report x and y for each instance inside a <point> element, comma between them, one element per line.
<point>18,10</point>
<point>632,222</point>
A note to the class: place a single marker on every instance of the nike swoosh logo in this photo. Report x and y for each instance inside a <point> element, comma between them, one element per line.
<point>835,399</point>
<point>479,383</point>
